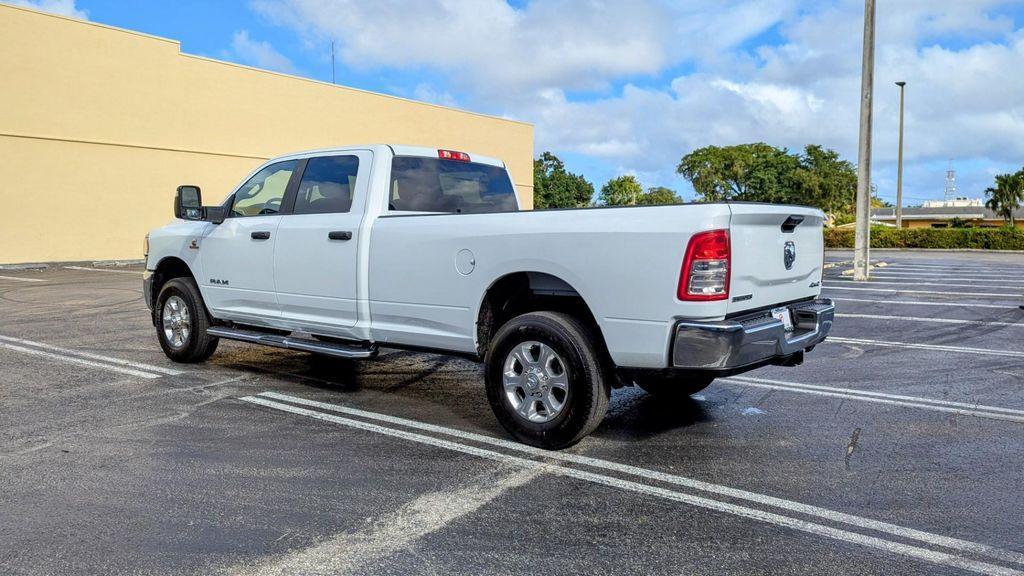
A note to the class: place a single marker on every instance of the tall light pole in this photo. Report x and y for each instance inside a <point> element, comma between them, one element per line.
<point>899,169</point>
<point>862,239</point>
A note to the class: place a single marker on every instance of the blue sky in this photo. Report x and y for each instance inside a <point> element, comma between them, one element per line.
<point>629,87</point>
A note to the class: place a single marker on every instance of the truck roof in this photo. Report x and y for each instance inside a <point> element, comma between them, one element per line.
<point>396,149</point>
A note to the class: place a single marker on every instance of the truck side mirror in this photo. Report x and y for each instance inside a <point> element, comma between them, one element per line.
<point>188,203</point>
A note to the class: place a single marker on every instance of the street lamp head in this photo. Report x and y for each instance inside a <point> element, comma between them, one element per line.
<point>901,84</point>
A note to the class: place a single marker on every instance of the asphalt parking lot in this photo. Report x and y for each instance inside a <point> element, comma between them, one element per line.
<point>895,449</point>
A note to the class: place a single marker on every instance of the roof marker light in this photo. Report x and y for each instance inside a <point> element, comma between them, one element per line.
<point>453,155</point>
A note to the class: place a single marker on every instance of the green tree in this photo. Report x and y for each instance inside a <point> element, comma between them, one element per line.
<point>824,180</point>
<point>659,195</point>
<point>621,191</point>
<point>753,172</point>
<point>554,187</point>
<point>1006,196</point>
<point>762,173</point>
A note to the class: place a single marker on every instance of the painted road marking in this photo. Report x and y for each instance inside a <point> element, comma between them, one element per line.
<point>778,519</point>
<point>102,270</point>
<point>964,408</point>
<point>396,531</point>
<point>79,361</point>
<point>72,356</point>
<point>831,281</point>
<point>931,347</point>
<point>668,478</point>
<point>927,276</point>
<point>921,303</point>
<point>936,320</point>
<point>20,279</point>
<point>985,294</point>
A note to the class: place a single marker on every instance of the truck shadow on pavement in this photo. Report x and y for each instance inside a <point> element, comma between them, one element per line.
<point>634,414</point>
<point>442,380</point>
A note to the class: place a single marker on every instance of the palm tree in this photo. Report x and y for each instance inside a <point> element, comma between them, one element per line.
<point>1007,195</point>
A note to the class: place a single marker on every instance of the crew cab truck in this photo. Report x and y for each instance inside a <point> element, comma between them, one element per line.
<point>348,250</point>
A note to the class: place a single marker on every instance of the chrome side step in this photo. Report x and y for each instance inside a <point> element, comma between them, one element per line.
<point>292,343</point>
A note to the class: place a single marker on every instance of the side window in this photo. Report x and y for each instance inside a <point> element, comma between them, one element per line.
<point>262,194</point>
<point>436,185</point>
<point>327,185</point>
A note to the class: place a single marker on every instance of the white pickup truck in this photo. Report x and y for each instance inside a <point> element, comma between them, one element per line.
<point>347,250</point>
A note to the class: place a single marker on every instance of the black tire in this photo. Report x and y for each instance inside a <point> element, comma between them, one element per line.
<point>588,391</point>
<point>669,387</point>
<point>199,345</point>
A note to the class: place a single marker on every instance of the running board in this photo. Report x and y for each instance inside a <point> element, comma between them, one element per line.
<point>326,348</point>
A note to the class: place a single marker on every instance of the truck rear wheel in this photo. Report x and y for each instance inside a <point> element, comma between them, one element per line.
<point>181,322</point>
<point>545,380</point>
<point>672,387</point>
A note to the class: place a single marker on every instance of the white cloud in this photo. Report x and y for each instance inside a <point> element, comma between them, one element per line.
<point>488,46</point>
<point>639,84</point>
<point>427,93</point>
<point>62,7</point>
<point>259,54</point>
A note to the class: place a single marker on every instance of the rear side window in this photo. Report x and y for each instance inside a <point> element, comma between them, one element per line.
<point>436,185</point>
<point>261,195</point>
<point>327,185</point>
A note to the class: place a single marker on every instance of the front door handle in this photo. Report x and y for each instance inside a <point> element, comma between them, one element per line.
<point>339,235</point>
<point>260,235</point>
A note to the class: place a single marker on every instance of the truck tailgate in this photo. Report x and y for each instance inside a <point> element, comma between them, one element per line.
<point>762,274</point>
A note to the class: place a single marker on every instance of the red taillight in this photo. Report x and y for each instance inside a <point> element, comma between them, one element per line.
<point>705,273</point>
<point>453,155</point>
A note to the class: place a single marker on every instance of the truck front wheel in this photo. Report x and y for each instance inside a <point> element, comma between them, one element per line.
<point>545,380</point>
<point>181,322</point>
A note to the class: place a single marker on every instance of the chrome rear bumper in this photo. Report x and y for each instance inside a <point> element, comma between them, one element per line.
<point>754,339</point>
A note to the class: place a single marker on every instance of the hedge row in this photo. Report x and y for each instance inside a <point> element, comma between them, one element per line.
<point>948,238</point>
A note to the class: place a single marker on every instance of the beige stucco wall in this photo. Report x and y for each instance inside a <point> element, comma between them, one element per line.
<point>99,125</point>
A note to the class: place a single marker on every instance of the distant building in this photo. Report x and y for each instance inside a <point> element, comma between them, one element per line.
<point>941,213</point>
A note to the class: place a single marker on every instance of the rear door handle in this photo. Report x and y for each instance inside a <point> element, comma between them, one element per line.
<point>260,235</point>
<point>339,235</point>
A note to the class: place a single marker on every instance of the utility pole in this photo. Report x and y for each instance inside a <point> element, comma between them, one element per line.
<point>899,169</point>
<point>862,239</point>
<point>333,81</point>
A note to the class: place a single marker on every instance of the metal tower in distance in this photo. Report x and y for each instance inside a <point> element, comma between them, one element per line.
<point>950,183</point>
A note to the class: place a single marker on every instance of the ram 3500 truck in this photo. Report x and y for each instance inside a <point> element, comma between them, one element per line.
<point>348,250</point>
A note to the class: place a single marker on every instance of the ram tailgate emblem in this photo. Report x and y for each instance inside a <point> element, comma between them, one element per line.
<point>789,255</point>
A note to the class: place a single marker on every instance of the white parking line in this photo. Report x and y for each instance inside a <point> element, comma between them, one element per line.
<point>931,347</point>
<point>985,294</point>
<point>102,270</point>
<point>70,355</point>
<point>20,279</point>
<point>980,410</point>
<point>832,281</point>
<point>778,519</point>
<point>955,270</point>
<point>927,276</point>
<point>922,303</point>
<point>936,320</point>
<point>79,361</point>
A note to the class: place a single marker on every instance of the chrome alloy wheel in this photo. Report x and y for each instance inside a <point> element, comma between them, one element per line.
<point>176,322</point>
<point>536,382</point>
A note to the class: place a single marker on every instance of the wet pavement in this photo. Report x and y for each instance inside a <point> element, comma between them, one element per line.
<point>895,449</point>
